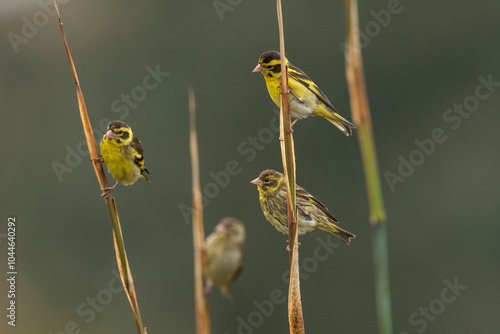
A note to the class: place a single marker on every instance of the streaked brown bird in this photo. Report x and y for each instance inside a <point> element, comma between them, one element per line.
<point>311,213</point>
<point>224,254</point>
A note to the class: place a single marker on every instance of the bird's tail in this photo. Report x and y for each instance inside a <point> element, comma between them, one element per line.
<point>340,122</point>
<point>144,176</point>
<point>224,289</point>
<point>340,233</point>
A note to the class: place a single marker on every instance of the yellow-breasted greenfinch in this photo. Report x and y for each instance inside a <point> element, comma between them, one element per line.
<point>224,254</point>
<point>123,154</point>
<point>311,213</point>
<point>305,98</point>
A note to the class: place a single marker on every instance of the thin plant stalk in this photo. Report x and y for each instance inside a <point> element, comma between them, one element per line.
<point>201,307</point>
<point>121,256</point>
<point>362,120</point>
<point>295,315</point>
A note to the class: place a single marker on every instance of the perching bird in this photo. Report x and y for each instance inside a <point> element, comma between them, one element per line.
<point>305,98</point>
<point>311,213</point>
<point>123,154</point>
<point>224,254</point>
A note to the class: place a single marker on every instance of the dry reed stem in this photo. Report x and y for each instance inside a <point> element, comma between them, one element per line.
<point>295,316</point>
<point>121,256</point>
<point>201,307</point>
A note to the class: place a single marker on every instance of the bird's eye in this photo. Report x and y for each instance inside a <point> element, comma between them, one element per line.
<point>266,179</point>
<point>119,132</point>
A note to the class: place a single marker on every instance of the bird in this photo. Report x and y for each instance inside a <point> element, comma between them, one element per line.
<point>311,213</point>
<point>122,153</point>
<point>224,254</point>
<point>306,99</point>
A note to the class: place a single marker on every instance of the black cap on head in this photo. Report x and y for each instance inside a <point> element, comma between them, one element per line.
<point>116,125</point>
<point>268,56</point>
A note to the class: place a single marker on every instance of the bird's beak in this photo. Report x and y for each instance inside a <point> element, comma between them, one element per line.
<point>220,229</point>
<point>257,182</point>
<point>110,134</point>
<point>259,68</point>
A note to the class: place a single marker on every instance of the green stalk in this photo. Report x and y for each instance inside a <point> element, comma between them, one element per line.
<point>382,288</point>
<point>372,175</point>
<point>362,120</point>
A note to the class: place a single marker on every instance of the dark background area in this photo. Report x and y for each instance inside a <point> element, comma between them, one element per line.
<point>442,220</point>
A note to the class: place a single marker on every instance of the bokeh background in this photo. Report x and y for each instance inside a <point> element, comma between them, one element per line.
<point>442,220</point>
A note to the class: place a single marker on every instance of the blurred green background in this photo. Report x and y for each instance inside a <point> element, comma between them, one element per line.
<point>442,220</point>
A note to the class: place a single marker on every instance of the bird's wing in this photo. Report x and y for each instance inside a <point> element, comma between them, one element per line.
<point>300,76</point>
<point>242,260</point>
<point>303,195</point>
<point>137,153</point>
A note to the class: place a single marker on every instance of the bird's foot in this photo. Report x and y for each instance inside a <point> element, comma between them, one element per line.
<point>100,159</point>
<point>298,98</point>
<point>107,191</point>
<point>208,289</point>
<point>288,246</point>
<point>299,208</point>
<point>290,91</point>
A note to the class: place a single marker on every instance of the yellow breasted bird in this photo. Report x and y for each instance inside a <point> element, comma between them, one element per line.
<point>311,213</point>
<point>224,254</point>
<point>123,154</point>
<point>305,98</point>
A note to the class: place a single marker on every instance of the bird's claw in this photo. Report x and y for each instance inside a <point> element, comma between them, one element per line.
<point>100,159</point>
<point>288,246</point>
<point>302,210</point>
<point>207,289</point>
<point>107,191</point>
<point>301,100</point>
